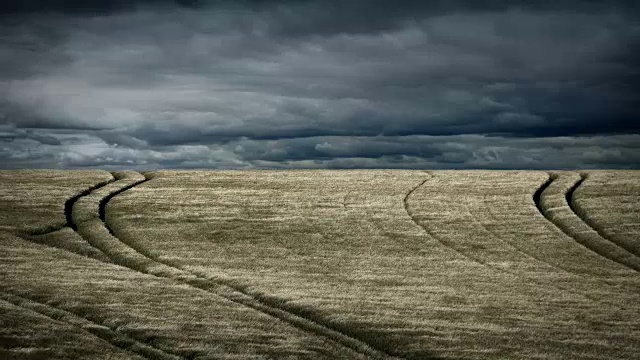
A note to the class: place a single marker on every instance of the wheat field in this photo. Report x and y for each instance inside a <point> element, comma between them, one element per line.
<point>359,264</point>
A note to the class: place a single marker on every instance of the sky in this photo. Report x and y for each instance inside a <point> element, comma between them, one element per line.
<point>274,84</point>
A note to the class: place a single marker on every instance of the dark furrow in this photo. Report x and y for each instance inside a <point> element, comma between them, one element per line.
<point>598,244</point>
<point>537,196</point>
<point>303,319</point>
<point>103,203</point>
<point>68,205</point>
<point>34,240</point>
<point>113,337</point>
<point>281,314</point>
<point>569,197</point>
<point>570,200</point>
<point>44,230</point>
<point>437,238</point>
<point>479,260</point>
<point>39,235</point>
<point>510,244</point>
<point>63,243</point>
<point>415,221</point>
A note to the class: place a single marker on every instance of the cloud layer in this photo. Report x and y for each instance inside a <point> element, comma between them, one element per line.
<point>319,84</point>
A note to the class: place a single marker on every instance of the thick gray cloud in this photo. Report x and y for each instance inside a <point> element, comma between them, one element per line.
<point>320,84</point>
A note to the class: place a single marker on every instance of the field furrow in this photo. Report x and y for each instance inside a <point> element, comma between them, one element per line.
<point>98,330</point>
<point>609,202</point>
<point>519,220</point>
<point>554,202</point>
<point>69,240</point>
<point>164,314</point>
<point>65,237</point>
<point>26,334</point>
<point>494,238</point>
<point>34,201</point>
<point>87,215</point>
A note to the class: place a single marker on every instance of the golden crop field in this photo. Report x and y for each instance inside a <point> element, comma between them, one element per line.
<point>308,264</point>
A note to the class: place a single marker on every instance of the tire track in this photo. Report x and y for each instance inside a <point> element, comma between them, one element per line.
<point>99,234</point>
<point>537,195</point>
<point>68,240</point>
<point>438,238</point>
<point>112,336</point>
<point>534,255</point>
<point>574,206</point>
<point>556,206</point>
<point>479,260</point>
<point>430,233</point>
<point>511,246</point>
<point>55,237</point>
<point>569,197</point>
<point>68,205</point>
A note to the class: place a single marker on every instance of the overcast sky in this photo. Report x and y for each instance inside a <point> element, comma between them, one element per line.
<point>319,84</point>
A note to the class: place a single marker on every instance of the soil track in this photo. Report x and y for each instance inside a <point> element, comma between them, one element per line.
<point>97,232</point>
<point>555,204</point>
<point>631,247</point>
<point>101,331</point>
<point>481,261</point>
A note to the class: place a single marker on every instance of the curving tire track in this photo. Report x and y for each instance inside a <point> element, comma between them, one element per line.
<point>632,247</point>
<point>569,197</point>
<point>58,237</point>
<point>537,195</point>
<point>434,236</point>
<point>68,205</point>
<point>96,231</point>
<point>511,246</point>
<point>555,204</point>
<point>112,336</point>
<point>480,261</point>
<point>69,240</point>
<point>477,260</point>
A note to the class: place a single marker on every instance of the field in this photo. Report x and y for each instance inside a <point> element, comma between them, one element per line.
<point>319,265</point>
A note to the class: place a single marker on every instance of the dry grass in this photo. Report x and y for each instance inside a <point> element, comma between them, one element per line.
<point>175,319</point>
<point>64,319</point>
<point>609,201</point>
<point>154,314</point>
<point>26,333</point>
<point>325,264</point>
<point>557,205</point>
<point>32,201</point>
<point>445,279</point>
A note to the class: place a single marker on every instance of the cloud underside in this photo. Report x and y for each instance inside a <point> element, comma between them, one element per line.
<point>306,85</point>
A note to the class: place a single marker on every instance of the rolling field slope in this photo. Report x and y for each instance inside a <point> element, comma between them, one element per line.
<point>320,264</point>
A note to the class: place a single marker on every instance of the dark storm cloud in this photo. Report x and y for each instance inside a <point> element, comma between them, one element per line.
<point>85,7</point>
<point>391,9</point>
<point>320,84</point>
